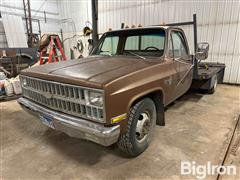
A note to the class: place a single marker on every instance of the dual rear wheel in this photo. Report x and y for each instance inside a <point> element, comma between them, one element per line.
<point>214,84</point>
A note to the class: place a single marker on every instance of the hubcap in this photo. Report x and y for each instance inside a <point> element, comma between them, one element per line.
<point>143,126</point>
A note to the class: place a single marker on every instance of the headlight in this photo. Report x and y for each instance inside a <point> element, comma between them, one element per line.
<point>95,98</point>
<point>23,81</point>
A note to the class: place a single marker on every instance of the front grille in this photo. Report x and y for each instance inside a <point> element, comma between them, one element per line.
<point>61,97</point>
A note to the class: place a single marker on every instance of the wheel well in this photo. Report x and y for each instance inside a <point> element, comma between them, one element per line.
<point>158,99</point>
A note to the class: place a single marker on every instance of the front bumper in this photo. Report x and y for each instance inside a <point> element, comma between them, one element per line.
<point>73,126</point>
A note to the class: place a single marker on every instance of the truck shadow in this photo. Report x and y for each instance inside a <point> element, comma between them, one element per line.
<point>86,152</point>
<point>61,145</point>
<point>190,96</point>
<point>82,151</point>
<point>89,153</point>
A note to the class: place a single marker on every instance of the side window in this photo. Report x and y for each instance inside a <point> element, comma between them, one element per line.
<point>109,45</point>
<point>178,45</point>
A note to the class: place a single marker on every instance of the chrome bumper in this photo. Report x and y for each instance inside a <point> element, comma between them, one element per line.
<point>73,126</point>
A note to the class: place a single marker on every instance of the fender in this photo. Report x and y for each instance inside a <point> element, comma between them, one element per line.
<point>159,103</point>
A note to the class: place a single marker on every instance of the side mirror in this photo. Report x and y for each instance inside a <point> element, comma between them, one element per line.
<point>202,51</point>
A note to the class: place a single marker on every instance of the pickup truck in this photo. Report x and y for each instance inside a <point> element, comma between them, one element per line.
<point>118,93</point>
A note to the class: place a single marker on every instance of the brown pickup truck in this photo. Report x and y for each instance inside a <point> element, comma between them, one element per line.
<point>118,93</point>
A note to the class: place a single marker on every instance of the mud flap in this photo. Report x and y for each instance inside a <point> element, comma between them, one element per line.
<point>160,115</point>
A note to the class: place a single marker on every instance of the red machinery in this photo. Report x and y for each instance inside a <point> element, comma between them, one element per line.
<point>52,43</point>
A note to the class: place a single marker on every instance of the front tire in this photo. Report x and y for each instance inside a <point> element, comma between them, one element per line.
<point>141,123</point>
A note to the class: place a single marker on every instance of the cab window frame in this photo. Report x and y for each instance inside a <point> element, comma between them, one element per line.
<point>183,40</point>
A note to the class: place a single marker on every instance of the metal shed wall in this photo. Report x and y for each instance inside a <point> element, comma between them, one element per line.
<point>3,39</point>
<point>74,17</point>
<point>15,7</point>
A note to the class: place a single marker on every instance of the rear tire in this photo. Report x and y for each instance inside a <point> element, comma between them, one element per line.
<point>215,81</point>
<point>140,128</point>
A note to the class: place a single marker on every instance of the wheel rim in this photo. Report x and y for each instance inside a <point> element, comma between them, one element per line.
<point>143,127</point>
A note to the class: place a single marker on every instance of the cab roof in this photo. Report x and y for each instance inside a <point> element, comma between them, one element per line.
<point>145,28</point>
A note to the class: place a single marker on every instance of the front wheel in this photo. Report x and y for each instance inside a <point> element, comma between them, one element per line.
<point>141,123</point>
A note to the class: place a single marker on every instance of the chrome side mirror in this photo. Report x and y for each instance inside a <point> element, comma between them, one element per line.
<point>202,51</point>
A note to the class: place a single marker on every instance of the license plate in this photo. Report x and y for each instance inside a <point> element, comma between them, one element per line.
<point>47,120</point>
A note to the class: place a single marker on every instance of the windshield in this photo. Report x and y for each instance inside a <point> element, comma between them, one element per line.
<point>133,42</point>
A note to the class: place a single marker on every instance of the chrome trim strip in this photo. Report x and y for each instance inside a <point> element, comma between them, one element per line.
<point>177,59</point>
<point>185,75</point>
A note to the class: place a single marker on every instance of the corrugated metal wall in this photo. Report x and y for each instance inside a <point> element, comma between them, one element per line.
<point>14,31</point>
<point>15,7</point>
<point>74,15</point>
<point>3,39</point>
<point>218,21</point>
<point>218,24</point>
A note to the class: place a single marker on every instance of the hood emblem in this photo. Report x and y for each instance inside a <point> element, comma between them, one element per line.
<point>48,95</point>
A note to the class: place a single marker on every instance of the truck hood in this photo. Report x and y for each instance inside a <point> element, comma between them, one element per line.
<point>92,71</point>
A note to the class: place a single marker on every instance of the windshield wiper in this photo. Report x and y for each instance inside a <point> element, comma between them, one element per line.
<point>105,53</point>
<point>135,54</point>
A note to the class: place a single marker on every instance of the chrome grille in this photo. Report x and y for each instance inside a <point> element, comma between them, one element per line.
<point>61,97</point>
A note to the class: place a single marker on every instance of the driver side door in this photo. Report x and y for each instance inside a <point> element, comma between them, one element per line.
<point>182,62</point>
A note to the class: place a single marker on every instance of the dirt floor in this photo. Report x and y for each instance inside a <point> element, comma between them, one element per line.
<point>198,128</point>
